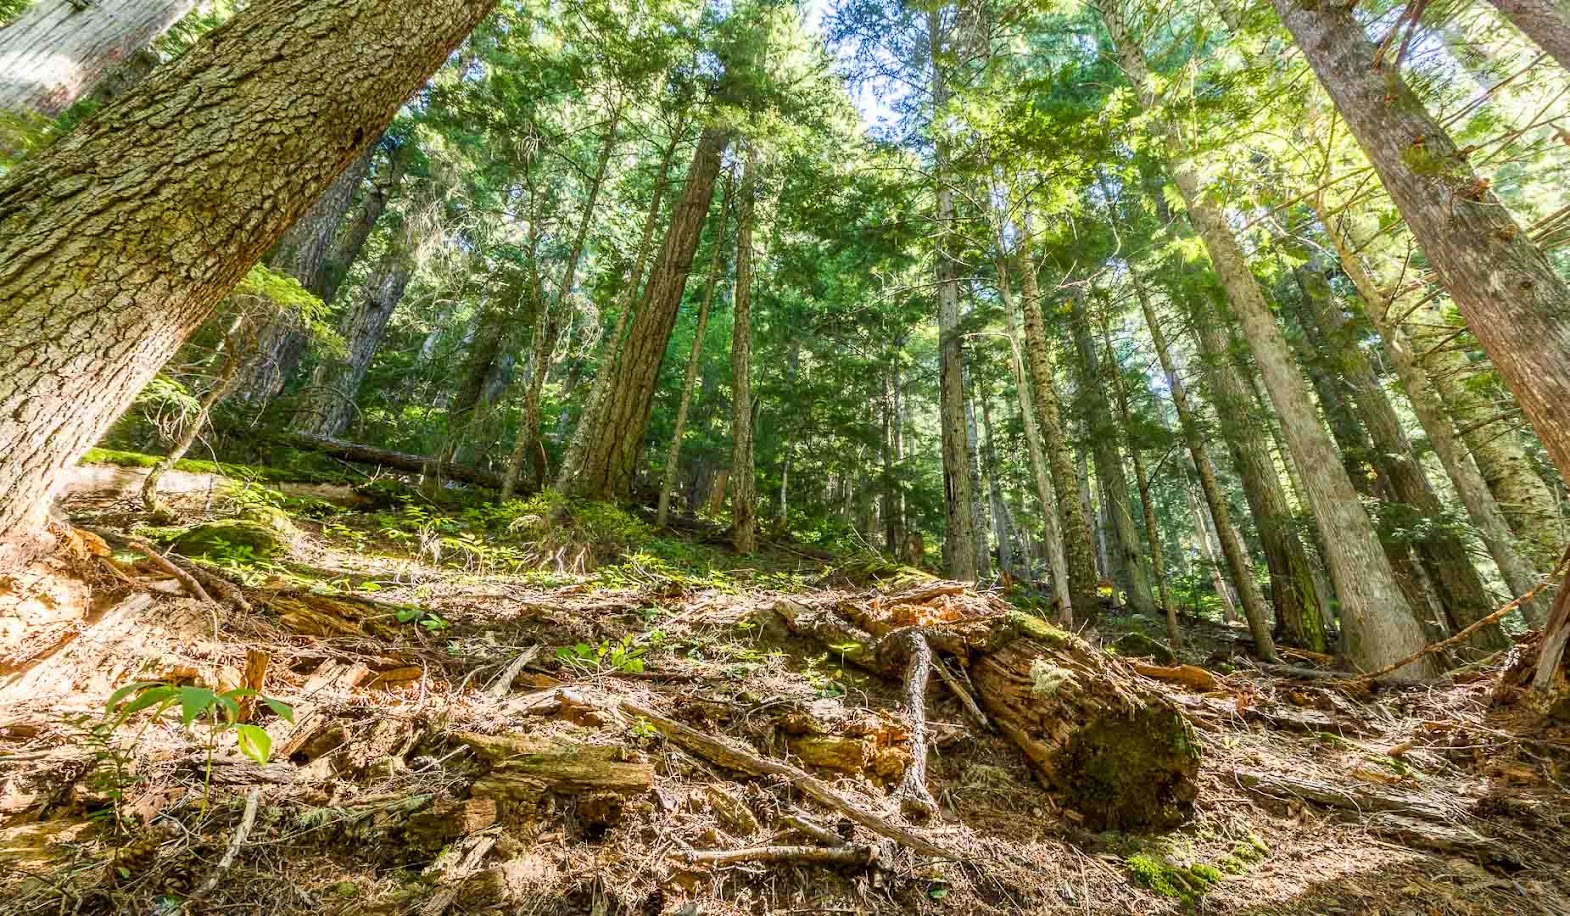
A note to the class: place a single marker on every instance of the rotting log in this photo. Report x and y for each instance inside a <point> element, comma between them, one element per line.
<point>1119,754</point>
<point>398,461</point>
<point>524,768</point>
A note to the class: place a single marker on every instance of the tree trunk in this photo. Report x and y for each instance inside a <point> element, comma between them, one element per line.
<point>234,347</point>
<point>91,229</point>
<point>1078,552</point>
<point>58,50</point>
<point>744,494</point>
<point>1217,581</point>
<point>1546,22</point>
<point>613,441</point>
<point>329,404</point>
<point>351,240</point>
<point>1443,555</point>
<point>962,532</point>
<point>989,465</point>
<point>1232,549</point>
<point>1482,508</point>
<point>1127,567</point>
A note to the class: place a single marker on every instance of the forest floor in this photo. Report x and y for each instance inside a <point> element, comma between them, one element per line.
<point>460,743</point>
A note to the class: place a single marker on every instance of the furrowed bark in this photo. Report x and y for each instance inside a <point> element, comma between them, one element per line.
<point>119,239</point>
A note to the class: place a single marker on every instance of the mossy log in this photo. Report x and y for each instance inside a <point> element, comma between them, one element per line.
<point>1119,754</point>
<point>398,461</point>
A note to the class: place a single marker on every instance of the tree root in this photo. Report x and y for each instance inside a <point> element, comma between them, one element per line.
<point>914,798</point>
<point>835,855</point>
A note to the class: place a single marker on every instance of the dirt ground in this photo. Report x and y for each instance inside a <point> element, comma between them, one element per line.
<point>403,784</point>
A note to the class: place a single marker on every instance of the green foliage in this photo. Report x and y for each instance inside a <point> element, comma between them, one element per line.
<point>625,655</point>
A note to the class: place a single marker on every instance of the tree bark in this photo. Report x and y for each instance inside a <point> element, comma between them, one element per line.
<point>1078,552</point>
<point>58,50</point>
<point>962,534</point>
<point>744,493</point>
<point>613,441</point>
<point>119,239</point>
<point>1379,625</point>
<point>1546,22</point>
<point>401,461</point>
<point>350,242</point>
<point>1127,568</point>
<point>234,347</point>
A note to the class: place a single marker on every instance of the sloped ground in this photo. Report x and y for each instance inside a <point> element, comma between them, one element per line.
<point>476,756</point>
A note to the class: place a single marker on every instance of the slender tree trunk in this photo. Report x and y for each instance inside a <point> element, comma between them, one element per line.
<point>90,302</point>
<point>350,242</point>
<point>58,50</point>
<point>613,442</point>
<point>962,532</point>
<point>1218,582</point>
<point>744,493</point>
<point>1443,556</point>
<point>1078,552</point>
<point>1232,548</point>
<point>1482,508</point>
<point>1142,480</point>
<point>329,404</point>
<point>234,346</point>
<point>1379,626</point>
<point>1127,568</point>
<point>990,467</point>
<point>1546,22</point>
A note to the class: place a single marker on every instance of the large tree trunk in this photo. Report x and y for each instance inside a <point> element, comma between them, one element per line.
<point>1127,566</point>
<point>119,239</point>
<point>351,239</point>
<point>744,492</point>
<point>612,438</point>
<point>1546,22</point>
<point>1443,556</point>
<point>1079,553</point>
<point>963,539</point>
<point>1481,507</point>
<point>1379,626</point>
<point>329,404</point>
<point>58,50</point>
<point>1232,549</point>
<point>301,254</point>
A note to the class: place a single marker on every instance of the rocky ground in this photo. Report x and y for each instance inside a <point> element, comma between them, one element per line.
<point>557,712</point>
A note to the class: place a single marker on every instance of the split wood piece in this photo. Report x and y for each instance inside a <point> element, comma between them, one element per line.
<point>1119,752</point>
<point>923,595</point>
<point>959,690</point>
<point>254,679</point>
<point>241,834</point>
<point>455,865</point>
<point>1351,798</point>
<point>312,614</point>
<point>723,754</point>
<point>330,678</point>
<point>398,461</point>
<point>525,768</point>
<point>834,855</point>
<point>912,792</point>
<point>1187,675</point>
<point>804,826</point>
<point>1449,838</point>
<point>503,683</point>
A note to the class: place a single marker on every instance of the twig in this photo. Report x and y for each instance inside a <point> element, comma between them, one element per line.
<point>802,825</point>
<point>839,855</point>
<point>186,580</point>
<point>226,590</point>
<point>503,683</point>
<point>241,834</point>
<point>722,753</point>
<point>965,699</point>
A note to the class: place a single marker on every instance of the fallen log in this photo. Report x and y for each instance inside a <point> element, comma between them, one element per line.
<point>818,855</point>
<point>1121,755</point>
<point>398,461</point>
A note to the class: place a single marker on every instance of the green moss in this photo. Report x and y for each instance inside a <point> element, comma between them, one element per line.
<point>125,459</point>
<point>234,538</point>
<point>1138,644</point>
<point>1039,630</point>
<point>1186,883</point>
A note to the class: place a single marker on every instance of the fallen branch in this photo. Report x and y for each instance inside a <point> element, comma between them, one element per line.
<point>241,834</point>
<point>503,683</point>
<point>912,793</point>
<point>227,591</point>
<point>965,699</point>
<point>723,754</point>
<point>398,461</point>
<point>838,855</point>
<point>802,825</point>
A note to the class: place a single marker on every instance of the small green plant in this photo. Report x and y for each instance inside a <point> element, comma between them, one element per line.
<point>642,729</point>
<point>625,656</point>
<point>430,620</point>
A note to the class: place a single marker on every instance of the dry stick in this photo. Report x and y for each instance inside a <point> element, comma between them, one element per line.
<point>912,793</point>
<point>723,754</point>
<point>227,591</point>
<point>503,683</point>
<point>247,821</point>
<point>1495,617</point>
<point>802,825</point>
<point>186,580</point>
<point>838,855</point>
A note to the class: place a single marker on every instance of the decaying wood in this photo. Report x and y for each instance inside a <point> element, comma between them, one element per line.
<point>912,792</point>
<point>820,855</point>
<point>455,865</point>
<point>254,679</point>
<point>1450,838</point>
<point>962,693</point>
<point>1187,675</point>
<point>503,683</point>
<point>331,678</point>
<point>524,768</point>
<point>723,754</point>
<point>398,461</point>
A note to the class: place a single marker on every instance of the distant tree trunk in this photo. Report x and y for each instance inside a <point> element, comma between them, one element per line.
<point>88,227</point>
<point>1546,22</point>
<point>1443,555</point>
<point>352,237</point>
<point>234,347</point>
<point>1217,582</point>
<point>990,468</point>
<point>1379,627</point>
<point>612,442</point>
<point>485,347</point>
<point>978,491</point>
<point>1078,552</point>
<point>549,324</point>
<point>58,50</point>
<point>1482,508</point>
<point>744,492</point>
<point>301,254</point>
<point>328,405</point>
<point>1232,548</point>
<point>962,534</point>
<point>1127,568</point>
